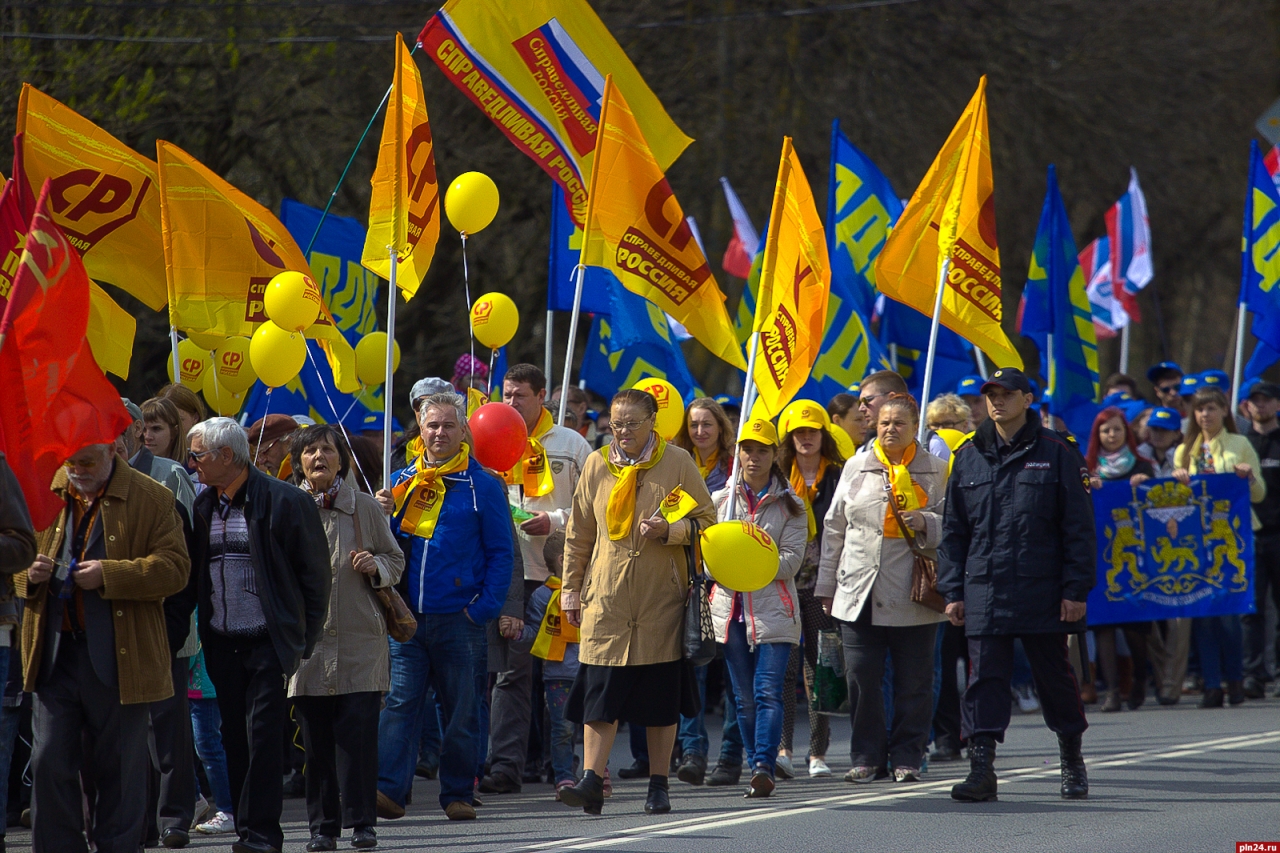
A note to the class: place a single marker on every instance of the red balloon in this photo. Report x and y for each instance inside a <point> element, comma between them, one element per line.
<point>500,436</point>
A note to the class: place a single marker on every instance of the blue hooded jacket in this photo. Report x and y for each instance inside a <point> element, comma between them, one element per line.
<point>468,562</point>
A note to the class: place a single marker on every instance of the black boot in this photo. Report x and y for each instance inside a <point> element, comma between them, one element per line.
<point>658,801</point>
<point>980,785</point>
<point>588,793</point>
<point>692,769</point>
<point>1075,781</point>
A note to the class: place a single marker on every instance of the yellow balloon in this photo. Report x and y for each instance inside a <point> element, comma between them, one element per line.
<point>844,443</point>
<point>231,360</point>
<point>371,358</point>
<point>292,301</point>
<point>206,340</point>
<point>740,556</point>
<point>193,361</point>
<point>471,202</point>
<point>220,398</point>
<point>670,405</point>
<point>494,320</point>
<point>276,355</point>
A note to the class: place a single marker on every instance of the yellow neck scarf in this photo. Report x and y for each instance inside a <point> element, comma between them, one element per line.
<point>806,492</point>
<point>907,495</point>
<point>555,632</point>
<point>707,466</point>
<point>533,471</point>
<point>413,449</point>
<point>620,513</point>
<point>424,493</point>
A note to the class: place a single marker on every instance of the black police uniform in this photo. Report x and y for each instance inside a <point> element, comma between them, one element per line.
<point>1018,538</point>
<point>1266,553</point>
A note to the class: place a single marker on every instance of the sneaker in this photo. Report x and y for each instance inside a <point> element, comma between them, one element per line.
<point>906,774</point>
<point>819,768</point>
<point>202,812</point>
<point>783,769</point>
<point>1027,701</point>
<point>220,824</point>
<point>608,784</point>
<point>561,785</point>
<point>860,774</point>
<point>458,810</point>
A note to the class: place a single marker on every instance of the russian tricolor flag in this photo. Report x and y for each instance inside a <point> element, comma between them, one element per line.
<point>1109,314</point>
<point>741,249</point>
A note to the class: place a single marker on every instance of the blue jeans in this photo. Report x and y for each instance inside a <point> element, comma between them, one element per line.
<point>563,732</point>
<point>429,750</point>
<point>444,653</point>
<point>757,676</point>
<point>693,738</point>
<point>1221,643</point>
<point>206,727</point>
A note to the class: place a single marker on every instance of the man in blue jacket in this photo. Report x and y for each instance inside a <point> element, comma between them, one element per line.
<point>454,523</point>
<point>1017,559</point>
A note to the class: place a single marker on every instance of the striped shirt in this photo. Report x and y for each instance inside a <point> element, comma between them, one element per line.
<point>237,611</point>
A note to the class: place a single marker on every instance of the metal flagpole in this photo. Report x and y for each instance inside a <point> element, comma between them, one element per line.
<point>177,362</point>
<point>1124,347</point>
<point>748,401</point>
<point>573,338</point>
<point>893,356</point>
<point>1235,374</point>
<point>933,347</point>
<point>387,391</point>
<point>549,342</point>
<point>982,363</point>
<point>1051,379</point>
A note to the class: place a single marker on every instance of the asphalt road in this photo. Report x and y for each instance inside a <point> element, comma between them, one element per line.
<point>1161,779</point>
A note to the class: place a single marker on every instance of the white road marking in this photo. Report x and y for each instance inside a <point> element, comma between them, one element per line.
<point>1007,777</point>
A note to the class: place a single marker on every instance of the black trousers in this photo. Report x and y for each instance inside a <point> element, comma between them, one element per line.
<point>340,737</point>
<point>251,698</point>
<point>987,701</point>
<point>1266,583</point>
<point>171,788</point>
<point>946,717</point>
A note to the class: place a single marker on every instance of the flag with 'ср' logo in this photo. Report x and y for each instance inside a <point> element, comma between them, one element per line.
<point>677,504</point>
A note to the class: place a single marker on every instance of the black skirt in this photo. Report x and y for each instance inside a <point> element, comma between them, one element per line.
<point>652,695</point>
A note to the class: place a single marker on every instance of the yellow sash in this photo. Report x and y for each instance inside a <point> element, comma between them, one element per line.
<point>533,471</point>
<point>424,493</point>
<point>906,494</point>
<point>806,492</point>
<point>620,513</point>
<point>413,449</point>
<point>554,633</point>
<point>705,468</point>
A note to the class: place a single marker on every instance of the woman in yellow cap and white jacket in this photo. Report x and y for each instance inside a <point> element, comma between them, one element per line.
<point>759,629</point>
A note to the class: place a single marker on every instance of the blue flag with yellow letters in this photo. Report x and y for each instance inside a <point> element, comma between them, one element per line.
<point>566,245</point>
<point>1260,261</point>
<point>1055,302</point>
<point>1166,550</point>
<point>351,293</point>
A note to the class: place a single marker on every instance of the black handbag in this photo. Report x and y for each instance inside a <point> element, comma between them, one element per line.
<point>699,641</point>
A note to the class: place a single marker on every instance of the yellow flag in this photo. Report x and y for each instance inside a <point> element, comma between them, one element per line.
<point>104,195</point>
<point>677,505</point>
<point>404,209</point>
<point>636,230</point>
<point>222,248</point>
<point>795,281</point>
<point>952,218</point>
<point>110,332</point>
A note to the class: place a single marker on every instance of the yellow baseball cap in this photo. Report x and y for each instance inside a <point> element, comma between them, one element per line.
<point>759,429</point>
<point>801,414</point>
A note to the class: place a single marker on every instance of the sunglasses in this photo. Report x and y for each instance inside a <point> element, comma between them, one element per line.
<point>1168,389</point>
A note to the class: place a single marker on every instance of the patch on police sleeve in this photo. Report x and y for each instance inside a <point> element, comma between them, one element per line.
<point>1084,478</point>
<point>1036,466</point>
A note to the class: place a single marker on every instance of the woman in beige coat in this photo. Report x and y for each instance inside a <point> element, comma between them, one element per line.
<point>864,581</point>
<point>338,690</point>
<point>625,583</point>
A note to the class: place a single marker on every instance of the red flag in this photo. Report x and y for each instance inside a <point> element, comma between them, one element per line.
<point>13,229</point>
<point>47,369</point>
<point>741,250</point>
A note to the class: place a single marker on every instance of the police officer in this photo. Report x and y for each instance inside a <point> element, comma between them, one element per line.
<point>1017,560</point>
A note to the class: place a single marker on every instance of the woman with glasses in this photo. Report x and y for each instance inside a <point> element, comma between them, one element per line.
<point>949,411</point>
<point>625,584</point>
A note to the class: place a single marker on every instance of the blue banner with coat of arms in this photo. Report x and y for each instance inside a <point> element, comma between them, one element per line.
<point>1166,550</point>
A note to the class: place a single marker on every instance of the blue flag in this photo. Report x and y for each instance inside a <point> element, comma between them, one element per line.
<point>351,293</point>
<point>1166,550</point>
<point>566,243</point>
<point>1260,260</point>
<point>607,367</point>
<point>1056,307</point>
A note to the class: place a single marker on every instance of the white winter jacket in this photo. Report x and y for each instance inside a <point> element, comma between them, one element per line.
<point>567,452</point>
<point>772,614</point>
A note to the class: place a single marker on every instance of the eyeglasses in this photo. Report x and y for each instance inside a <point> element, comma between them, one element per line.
<point>1168,389</point>
<point>628,426</point>
<point>948,424</point>
<point>83,466</point>
<point>865,402</point>
<point>196,456</point>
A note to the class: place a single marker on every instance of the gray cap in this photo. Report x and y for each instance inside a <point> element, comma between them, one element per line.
<point>134,411</point>
<point>428,386</point>
<point>303,420</point>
